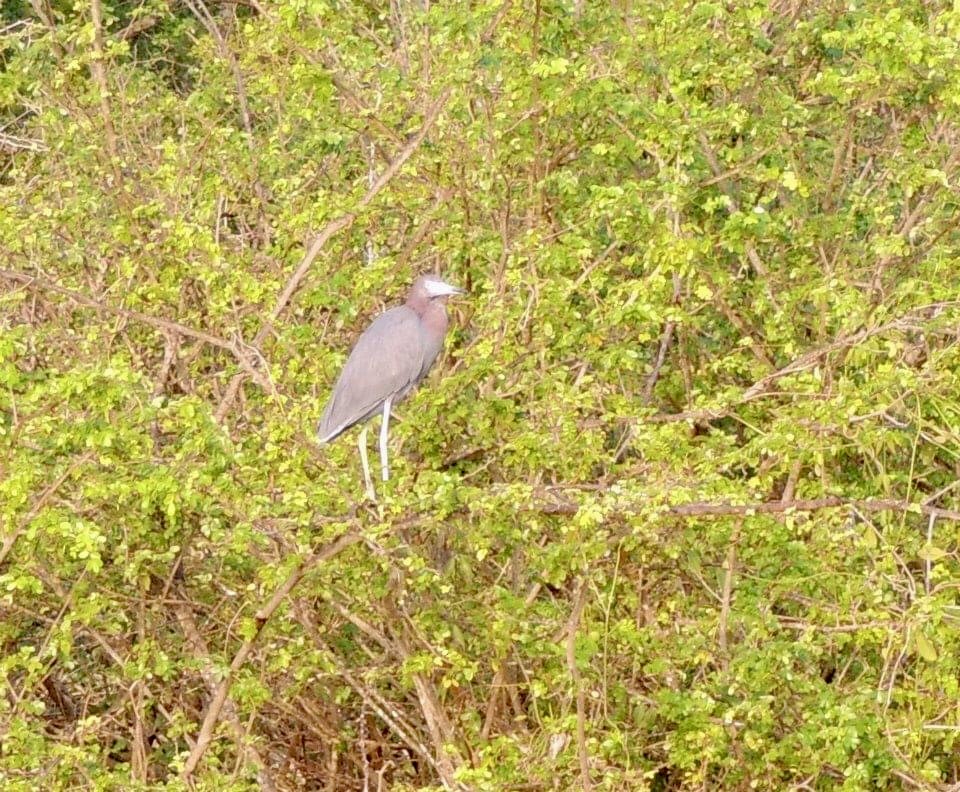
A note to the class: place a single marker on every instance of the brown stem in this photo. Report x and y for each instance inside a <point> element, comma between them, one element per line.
<point>262,616</point>
<point>572,625</point>
<point>791,486</point>
<point>200,11</point>
<point>246,357</point>
<point>99,74</point>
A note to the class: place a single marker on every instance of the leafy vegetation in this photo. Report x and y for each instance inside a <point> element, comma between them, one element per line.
<point>679,509</point>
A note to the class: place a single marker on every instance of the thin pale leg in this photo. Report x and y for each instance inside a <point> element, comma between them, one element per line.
<point>384,424</point>
<point>367,481</point>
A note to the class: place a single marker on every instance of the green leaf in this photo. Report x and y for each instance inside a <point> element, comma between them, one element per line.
<point>925,648</point>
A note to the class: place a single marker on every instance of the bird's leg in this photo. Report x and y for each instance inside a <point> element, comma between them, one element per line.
<point>367,481</point>
<point>384,424</point>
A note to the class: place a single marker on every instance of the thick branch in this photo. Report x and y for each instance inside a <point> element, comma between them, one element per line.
<point>99,74</point>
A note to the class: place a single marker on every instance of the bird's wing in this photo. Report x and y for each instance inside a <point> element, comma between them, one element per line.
<point>385,360</point>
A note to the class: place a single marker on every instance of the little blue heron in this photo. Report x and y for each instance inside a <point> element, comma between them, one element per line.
<point>388,361</point>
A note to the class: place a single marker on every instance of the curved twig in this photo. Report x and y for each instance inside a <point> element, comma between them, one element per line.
<point>241,351</point>
<point>260,619</point>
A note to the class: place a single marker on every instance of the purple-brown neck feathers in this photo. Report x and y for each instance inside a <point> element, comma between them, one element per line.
<point>419,298</point>
<point>431,310</point>
<point>434,319</point>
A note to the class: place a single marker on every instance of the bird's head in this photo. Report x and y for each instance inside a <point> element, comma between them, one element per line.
<point>430,288</point>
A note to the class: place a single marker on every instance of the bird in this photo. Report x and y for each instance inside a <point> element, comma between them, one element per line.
<point>389,360</point>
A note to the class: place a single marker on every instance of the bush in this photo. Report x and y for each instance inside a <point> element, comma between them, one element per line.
<point>678,510</point>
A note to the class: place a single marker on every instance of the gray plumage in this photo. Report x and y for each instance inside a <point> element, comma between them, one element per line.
<point>388,361</point>
<point>390,358</point>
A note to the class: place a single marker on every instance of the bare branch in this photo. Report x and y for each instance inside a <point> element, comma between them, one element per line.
<point>246,356</point>
<point>812,358</point>
<point>573,624</point>
<point>261,618</point>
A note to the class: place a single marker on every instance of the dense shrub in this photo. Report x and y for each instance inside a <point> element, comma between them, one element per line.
<point>676,512</point>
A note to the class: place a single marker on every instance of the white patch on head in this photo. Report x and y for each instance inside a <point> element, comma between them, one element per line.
<point>437,288</point>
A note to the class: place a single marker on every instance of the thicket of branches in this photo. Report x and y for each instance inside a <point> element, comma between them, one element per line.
<point>679,508</point>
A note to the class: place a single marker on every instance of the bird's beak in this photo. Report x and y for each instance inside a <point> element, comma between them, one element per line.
<point>438,288</point>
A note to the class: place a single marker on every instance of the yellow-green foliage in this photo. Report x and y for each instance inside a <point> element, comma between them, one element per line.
<point>648,527</point>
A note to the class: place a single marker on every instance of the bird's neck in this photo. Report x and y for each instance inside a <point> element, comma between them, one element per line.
<point>434,317</point>
<point>419,303</point>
